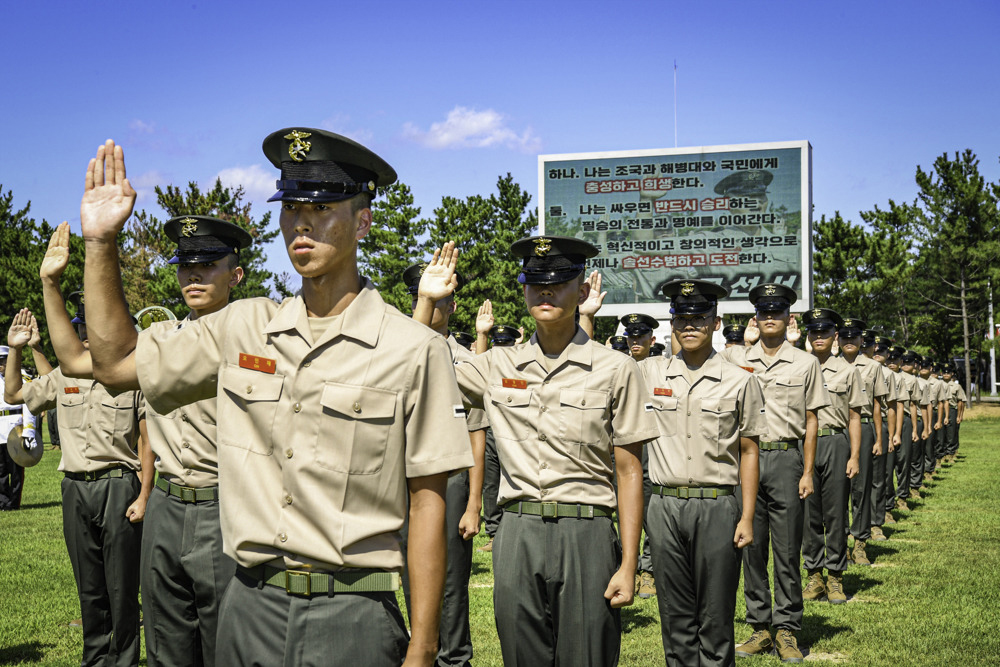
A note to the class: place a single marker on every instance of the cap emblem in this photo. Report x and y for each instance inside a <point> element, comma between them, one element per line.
<point>190,227</point>
<point>371,185</point>
<point>633,318</point>
<point>542,247</point>
<point>687,289</point>
<point>298,149</point>
<point>817,313</point>
<point>770,290</point>
<point>423,267</point>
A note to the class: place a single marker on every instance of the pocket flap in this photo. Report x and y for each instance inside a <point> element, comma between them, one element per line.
<point>69,400</point>
<point>251,385</point>
<point>793,381</point>
<point>359,402</point>
<point>585,399</point>
<point>664,402</point>
<point>512,398</point>
<point>718,405</point>
<point>120,402</point>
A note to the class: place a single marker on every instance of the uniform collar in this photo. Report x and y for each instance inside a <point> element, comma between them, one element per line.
<point>712,368</point>
<point>785,353</point>
<point>361,320</point>
<point>578,351</point>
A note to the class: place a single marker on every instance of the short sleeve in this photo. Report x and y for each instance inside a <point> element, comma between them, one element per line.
<point>855,389</point>
<point>753,417</point>
<point>473,377</point>
<point>436,437</point>
<point>630,423</point>
<point>816,394</point>
<point>42,393</point>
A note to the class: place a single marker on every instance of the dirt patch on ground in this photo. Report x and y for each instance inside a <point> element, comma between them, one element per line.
<point>829,657</point>
<point>982,411</point>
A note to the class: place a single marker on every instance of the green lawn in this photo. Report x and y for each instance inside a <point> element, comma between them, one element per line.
<point>932,598</point>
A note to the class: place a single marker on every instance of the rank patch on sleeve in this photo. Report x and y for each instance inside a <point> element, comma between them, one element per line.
<point>459,411</point>
<point>662,391</point>
<point>255,363</point>
<point>71,390</point>
<point>510,383</point>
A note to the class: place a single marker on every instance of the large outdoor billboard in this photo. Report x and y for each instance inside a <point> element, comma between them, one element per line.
<point>737,215</point>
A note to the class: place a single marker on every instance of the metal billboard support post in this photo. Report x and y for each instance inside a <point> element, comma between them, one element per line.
<point>993,355</point>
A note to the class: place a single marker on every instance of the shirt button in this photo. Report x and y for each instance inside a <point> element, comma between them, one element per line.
<point>542,437</point>
<point>544,465</point>
<point>583,402</point>
<point>545,381</point>
<point>298,407</point>
<point>689,414</point>
<point>689,435</point>
<point>690,481</point>
<point>282,537</point>
<point>288,453</point>
<point>307,364</point>
<point>545,492</point>
<point>249,388</point>
<point>689,458</point>
<point>509,399</point>
<point>288,499</point>
<point>187,445</point>
<point>357,407</point>
<point>545,408</point>
<point>184,418</point>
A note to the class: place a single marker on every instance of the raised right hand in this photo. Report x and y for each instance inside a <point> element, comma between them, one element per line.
<point>484,319</point>
<point>57,256</point>
<point>20,329</point>
<point>438,279</point>
<point>108,196</point>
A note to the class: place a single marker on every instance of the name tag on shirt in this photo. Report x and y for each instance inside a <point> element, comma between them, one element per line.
<point>255,363</point>
<point>660,391</point>
<point>510,383</point>
<point>71,390</point>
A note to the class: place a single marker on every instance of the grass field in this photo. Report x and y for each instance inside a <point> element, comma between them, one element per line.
<point>931,598</point>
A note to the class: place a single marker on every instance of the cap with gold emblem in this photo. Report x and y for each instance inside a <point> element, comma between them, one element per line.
<point>203,238</point>
<point>464,339</point>
<point>620,343</point>
<point>656,350</point>
<point>772,297</point>
<point>818,319</point>
<point>910,357</point>
<point>693,297</point>
<point>76,298</point>
<point>550,260</point>
<point>638,324</point>
<point>320,166</point>
<point>502,334</point>
<point>852,327</point>
<point>734,333</point>
<point>896,352</point>
<point>751,183</point>
<point>411,278</point>
<point>882,345</point>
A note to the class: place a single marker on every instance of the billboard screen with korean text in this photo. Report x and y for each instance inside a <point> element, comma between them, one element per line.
<point>736,215</point>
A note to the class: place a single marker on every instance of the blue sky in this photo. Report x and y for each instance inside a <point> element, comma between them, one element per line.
<point>454,94</point>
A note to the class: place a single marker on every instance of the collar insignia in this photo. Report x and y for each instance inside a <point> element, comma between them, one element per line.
<point>687,289</point>
<point>542,247</point>
<point>298,149</point>
<point>190,227</point>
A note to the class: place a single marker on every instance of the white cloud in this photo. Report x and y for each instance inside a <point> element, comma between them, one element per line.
<point>257,182</point>
<point>339,123</point>
<point>142,127</point>
<point>469,128</point>
<point>144,183</point>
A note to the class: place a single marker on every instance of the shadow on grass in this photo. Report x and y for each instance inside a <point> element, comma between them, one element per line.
<point>480,568</point>
<point>41,506</point>
<point>29,652</point>
<point>817,628</point>
<point>634,618</point>
<point>856,580</point>
<point>878,550</point>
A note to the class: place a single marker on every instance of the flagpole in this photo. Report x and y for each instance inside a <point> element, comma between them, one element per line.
<point>675,103</point>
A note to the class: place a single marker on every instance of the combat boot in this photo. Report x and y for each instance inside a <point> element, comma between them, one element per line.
<point>647,585</point>
<point>486,548</point>
<point>835,588</point>
<point>788,648</point>
<point>901,505</point>
<point>814,589</point>
<point>889,519</point>
<point>858,555</point>
<point>914,494</point>
<point>877,534</point>
<point>759,643</point>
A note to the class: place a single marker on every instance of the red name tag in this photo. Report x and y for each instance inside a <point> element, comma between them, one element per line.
<point>71,390</point>
<point>515,384</point>
<point>255,363</point>
<point>748,369</point>
<point>660,391</point>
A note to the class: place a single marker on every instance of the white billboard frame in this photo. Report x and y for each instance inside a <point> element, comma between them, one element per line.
<point>661,311</point>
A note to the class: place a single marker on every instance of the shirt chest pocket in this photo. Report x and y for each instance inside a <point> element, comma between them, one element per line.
<point>247,408</point>
<point>718,418</point>
<point>790,390</point>
<point>118,413</point>
<point>838,391</point>
<point>510,413</point>
<point>581,416</point>
<point>665,409</point>
<point>72,411</point>
<point>356,427</point>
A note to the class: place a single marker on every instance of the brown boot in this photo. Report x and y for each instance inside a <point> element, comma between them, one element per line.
<point>889,519</point>
<point>878,535</point>
<point>914,494</point>
<point>788,648</point>
<point>647,585</point>
<point>901,505</point>
<point>858,555</point>
<point>814,589</point>
<point>835,588</point>
<point>759,642</point>
<point>488,547</point>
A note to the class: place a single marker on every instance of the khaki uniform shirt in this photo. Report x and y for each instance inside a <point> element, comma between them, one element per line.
<point>96,430</point>
<point>939,392</point>
<point>554,430</point>
<point>846,388</point>
<point>903,396</point>
<point>792,383</point>
<point>476,418</point>
<point>922,391</point>
<point>316,440</point>
<point>701,421</point>
<point>875,385</point>
<point>956,393</point>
